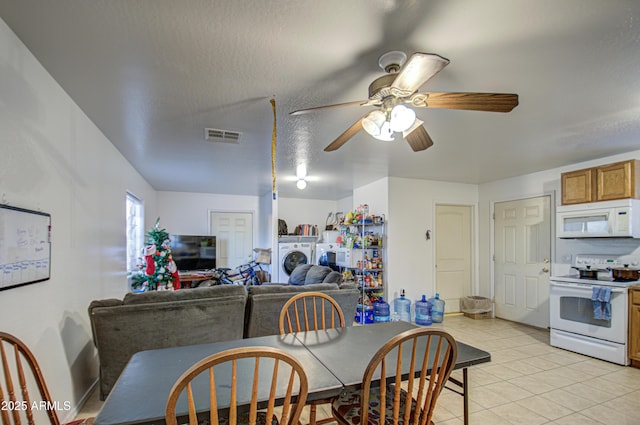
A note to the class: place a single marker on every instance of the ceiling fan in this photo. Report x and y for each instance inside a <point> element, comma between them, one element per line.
<point>391,92</point>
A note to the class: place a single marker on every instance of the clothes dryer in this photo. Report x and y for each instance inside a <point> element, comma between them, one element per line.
<point>332,255</point>
<point>290,255</point>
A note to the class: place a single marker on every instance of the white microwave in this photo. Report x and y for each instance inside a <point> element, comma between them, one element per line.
<point>608,219</point>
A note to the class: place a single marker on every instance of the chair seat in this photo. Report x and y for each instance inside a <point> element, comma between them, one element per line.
<point>346,408</point>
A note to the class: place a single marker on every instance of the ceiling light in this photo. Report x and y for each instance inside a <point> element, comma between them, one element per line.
<point>301,184</point>
<point>402,118</point>
<point>373,122</point>
<point>301,171</point>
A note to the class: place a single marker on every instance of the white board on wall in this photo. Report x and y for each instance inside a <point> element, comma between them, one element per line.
<point>25,246</point>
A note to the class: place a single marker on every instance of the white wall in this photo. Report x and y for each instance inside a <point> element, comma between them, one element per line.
<point>538,184</point>
<point>54,159</point>
<point>410,257</point>
<point>187,213</point>
<point>305,211</point>
<point>345,204</point>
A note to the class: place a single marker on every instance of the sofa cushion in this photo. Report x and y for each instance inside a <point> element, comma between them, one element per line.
<point>333,277</point>
<point>316,274</point>
<point>289,289</point>
<point>299,274</point>
<point>309,274</point>
<point>183,295</point>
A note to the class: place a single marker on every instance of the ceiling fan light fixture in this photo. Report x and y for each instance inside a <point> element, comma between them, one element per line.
<point>392,61</point>
<point>373,122</point>
<point>301,184</point>
<point>386,134</point>
<point>402,118</point>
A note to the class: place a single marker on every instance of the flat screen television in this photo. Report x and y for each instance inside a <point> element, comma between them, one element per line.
<point>193,252</point>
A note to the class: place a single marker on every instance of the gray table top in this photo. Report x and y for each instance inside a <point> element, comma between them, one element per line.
<point>346,352</point>
<point>140,394</point>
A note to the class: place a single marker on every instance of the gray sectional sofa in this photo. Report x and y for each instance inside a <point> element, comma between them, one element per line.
<point>162,319</point>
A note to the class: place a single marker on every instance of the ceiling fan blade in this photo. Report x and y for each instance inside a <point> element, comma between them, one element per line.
<point>321,108</point>
<point>418,70</point>
<point>417,137</point>
<point>490,102</point>
<point>344,137</point>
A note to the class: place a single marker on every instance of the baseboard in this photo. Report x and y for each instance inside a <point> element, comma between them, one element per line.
<point>73,413</point>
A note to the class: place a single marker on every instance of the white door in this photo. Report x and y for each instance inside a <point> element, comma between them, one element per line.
<point>453,254</point>
<point>234,237</point>
<point>521,266</point>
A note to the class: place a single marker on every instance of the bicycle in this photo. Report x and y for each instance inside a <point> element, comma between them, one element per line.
<point>244,274</point>
<point>248,271</point>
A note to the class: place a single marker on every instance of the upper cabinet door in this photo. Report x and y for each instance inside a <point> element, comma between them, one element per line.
<point>578,186</point>
<point>617,181</point>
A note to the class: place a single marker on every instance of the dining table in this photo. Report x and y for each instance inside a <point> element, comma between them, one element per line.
<point>333,359</point>
<point>346,353</point>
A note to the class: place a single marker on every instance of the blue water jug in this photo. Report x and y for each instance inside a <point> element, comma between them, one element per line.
<point>402,306</point>
<point>423,312</point>
<point>381,311</point>
<point>437,309</point>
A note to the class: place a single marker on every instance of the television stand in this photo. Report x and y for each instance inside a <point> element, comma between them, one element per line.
<point>187,277</point>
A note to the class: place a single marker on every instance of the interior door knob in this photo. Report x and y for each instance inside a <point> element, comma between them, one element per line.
<point>545,270</point>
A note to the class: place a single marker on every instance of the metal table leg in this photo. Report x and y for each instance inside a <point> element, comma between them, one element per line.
<point>464,393</point>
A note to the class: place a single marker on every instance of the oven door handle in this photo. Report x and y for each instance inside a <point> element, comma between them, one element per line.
<point>584,287</point>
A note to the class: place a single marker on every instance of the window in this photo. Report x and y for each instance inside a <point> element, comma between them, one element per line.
<point>135,226</point>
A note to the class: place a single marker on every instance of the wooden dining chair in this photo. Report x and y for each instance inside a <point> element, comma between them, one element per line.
<point>250,376</point>
<point>19,375</point>
<point>426,354</point>
<point>311,311</point>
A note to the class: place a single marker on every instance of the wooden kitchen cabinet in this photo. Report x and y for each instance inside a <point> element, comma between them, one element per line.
<point>617,181</point>
<point>579,186</point>
<point>634,325</point>
<point>620,180</point>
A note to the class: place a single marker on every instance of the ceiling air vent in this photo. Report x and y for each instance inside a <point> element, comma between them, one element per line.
<point>221,136</point>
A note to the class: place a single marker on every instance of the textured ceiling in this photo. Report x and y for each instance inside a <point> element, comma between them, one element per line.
<point>152,74</point>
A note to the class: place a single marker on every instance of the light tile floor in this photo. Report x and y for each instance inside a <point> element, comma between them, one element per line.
<point>527,382</point>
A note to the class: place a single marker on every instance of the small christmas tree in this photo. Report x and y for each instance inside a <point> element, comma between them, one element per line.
<point>160,271</point>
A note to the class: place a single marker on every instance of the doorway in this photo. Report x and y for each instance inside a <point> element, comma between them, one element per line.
<point>234,237</point>
<point>453,254</point>
<point>522,239</point>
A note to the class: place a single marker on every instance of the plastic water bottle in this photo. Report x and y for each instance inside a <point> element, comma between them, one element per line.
<point>402,306</point>
<point>381,311</point>
<point>437,311</point>
<point>423,312</point>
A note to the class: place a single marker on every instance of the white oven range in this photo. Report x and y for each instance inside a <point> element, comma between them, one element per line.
<point>574,325</point>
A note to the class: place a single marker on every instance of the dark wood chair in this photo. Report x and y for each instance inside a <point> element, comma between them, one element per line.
<point>256,362</point>
<point>311,311</point>
<point>401,399</point>
<point>19,374</point>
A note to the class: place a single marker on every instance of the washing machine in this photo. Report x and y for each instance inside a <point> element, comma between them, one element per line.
<point>332,255</point>
<point>291,254</point>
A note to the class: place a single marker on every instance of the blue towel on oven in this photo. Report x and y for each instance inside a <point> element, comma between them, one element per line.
<point>605,302</point>
<point>597,305</point>
<point>601,298</point>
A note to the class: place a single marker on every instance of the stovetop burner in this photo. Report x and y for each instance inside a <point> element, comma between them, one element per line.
<point>600,263</point>
<point>603,282</point>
